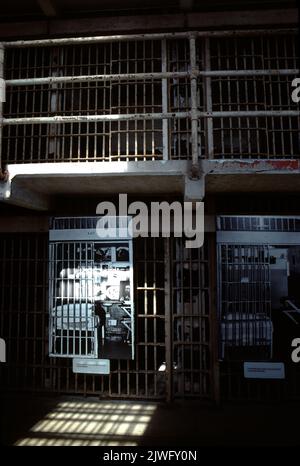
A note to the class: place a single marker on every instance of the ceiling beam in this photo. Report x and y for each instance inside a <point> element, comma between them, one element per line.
<point>186,4</point>
<point>48,8</point>
<point>153,23</point>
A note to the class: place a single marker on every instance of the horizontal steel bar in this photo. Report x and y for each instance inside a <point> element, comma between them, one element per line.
<point>97,77</point>
<point>143,76</point>
<point>92,118</point>
<point>145,116</point>
<point>250,113</point>
<point>92,40</point>
<point>220,73</point>
<point>155,36</point>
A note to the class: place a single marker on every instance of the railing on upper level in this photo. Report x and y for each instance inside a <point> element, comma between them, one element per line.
<point>187,95</point>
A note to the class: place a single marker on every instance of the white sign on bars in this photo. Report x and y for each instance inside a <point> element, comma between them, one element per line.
<point>91,366</point>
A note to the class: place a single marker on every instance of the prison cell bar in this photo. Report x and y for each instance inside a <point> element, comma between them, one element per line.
<point>2,97</point>
<point>168,321</point>
<point>194,114</point>
<point>191,321</point>
<point>208,101</point>
<point>214,320</point>
<point>98,77</point>
<point>140,76</point>
<point>146,76</point>
<point>165,99</point>
<point>146,116</point>
<point>154,36</point>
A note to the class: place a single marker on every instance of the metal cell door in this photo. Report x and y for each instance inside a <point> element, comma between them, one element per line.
<point>72,288</point>
<point>244,301</point>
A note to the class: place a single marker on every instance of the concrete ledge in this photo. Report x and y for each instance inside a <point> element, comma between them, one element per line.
<point>256,175</point>
<point>222,166</point>
<point>36,185</point>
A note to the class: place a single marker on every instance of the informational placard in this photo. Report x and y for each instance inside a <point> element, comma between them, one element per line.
<point>91,366</point>
<point>264,370</point>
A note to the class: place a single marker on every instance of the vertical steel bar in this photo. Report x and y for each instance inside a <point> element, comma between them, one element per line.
<point>257,132</point>
<point>25,108</point>
<point>106,96</point>
<point>136,104</point>
<point>128,86</point>
<point>43,299</point>
<point>214,337</point>
<point>179,311</point>
<point>146,249</point>
<point>265,93</point>
<point>208,102</point>
<point>164,90</point>
<point>33,94</point>
<point>27,300</point>
<point>184,124</point>
<point>80,107</point>
<point>119,378</point>
<point>127,378</point>
<point>83,287</point>
<point>168,320</point>
<point>144,123</point>
<point>198,309</point>
<point>194,116</point>
<point>109,124</point>
<point>37,145</point>
<point>228,82</point>
<point>155,315</point>
<point>4,274</point>
<point>2,99</point>
<point>272,136</point>
<point>219,57</point>
<point>71,126</point>
<point>9,256</point>
<point>249,146</point>
<point>51,302</point>
<point>189,319</point>
<point>96,127</point>
<point>18,128</point>
<point>280,104</point>
<point>18,133</point>
<point>10,141</point>
<point>173,47</point>
<point>53,101</point>
<point>119,88</point>
<point>289,119</point>
<point>153,122</point>
<point>19,306</point>
<point>69,254</point>
<point>36,351</point>
<point>63,101</point>
<point>182,318</point>
<point>87,109</point>
<point>238,82</point>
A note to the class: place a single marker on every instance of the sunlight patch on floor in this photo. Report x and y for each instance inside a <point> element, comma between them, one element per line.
<point>76,423</point>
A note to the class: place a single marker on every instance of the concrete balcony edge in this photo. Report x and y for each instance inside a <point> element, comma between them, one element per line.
<point>36,185</point>
<point>252,175</point>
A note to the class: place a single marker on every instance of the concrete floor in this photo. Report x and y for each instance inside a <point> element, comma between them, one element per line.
<point>89,421</point>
